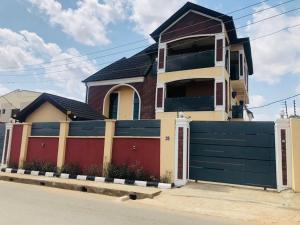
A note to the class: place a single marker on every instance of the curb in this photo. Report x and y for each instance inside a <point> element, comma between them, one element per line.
<point>90,178</point>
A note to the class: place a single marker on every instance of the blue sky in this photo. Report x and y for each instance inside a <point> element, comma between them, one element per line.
<point>50,45</point>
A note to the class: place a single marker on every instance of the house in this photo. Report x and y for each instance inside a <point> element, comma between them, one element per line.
<point>12,102</point>
<point>197,66</point>
<point>53,108</point>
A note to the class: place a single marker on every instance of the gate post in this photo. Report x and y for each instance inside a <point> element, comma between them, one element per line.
<point>6,144</point>
<point>182,145</point>
<point>283,154</point>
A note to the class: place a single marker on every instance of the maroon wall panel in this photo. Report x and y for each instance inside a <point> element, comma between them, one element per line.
<point>42,149</point>
<point>85,152</point>
<point>159,98</point>
<point>146,90</point>
<point>15,144</point>
<point>180,153</point>
<point>144,152</point>
<point>161,58</point>
<point>219,94</point>
<point>220,50</point>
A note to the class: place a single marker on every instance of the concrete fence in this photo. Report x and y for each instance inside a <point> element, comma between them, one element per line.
<point>95,143</point>
<point>160,147</point>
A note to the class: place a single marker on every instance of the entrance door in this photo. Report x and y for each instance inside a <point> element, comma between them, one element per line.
<point>113,105</point>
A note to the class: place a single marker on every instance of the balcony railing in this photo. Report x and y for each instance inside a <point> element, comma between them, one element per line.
<point>237,112</point>
<point>190,61</point>
<point>203,103</point>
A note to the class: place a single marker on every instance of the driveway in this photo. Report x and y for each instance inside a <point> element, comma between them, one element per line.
<point>35,205</point>
<point>240,203</point>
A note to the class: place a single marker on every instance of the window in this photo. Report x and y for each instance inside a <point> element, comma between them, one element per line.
<point>3,111</point>
<point>241,65</point>
<point>136,107</point>
<point>234,65</point>
<point>113,105</point>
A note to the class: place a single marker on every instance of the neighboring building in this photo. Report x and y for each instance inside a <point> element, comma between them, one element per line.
<point>12,102</point>
<point>53,108</point>
<point>198,66</point>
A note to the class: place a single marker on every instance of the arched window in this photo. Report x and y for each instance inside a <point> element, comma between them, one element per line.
<point>136,107</point>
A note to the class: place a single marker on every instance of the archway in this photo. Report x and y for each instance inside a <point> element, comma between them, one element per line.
<point>122,102</point>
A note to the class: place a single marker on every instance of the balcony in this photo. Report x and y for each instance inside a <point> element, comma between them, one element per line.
<point>188,61</point>
<point>188,104</point>
<point>238,112</point>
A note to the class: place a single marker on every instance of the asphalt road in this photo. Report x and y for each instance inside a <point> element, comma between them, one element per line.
<point>23,204</point>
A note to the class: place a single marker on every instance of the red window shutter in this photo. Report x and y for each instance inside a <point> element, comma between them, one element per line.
<point>219,94</point>
<point>159,97</point>
<point>220,50</point>
<point>161,63</point>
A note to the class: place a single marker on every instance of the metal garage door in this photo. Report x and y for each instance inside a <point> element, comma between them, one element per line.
<point>233,152</point>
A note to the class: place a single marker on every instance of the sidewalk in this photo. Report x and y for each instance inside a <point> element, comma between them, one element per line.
<point>245,204</point>
<point>110,189</point>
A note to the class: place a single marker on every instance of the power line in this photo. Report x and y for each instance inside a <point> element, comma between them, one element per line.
<point>274,102</point>
<point>267,18</point>
<point>260,37</point>
<point>130,43</point>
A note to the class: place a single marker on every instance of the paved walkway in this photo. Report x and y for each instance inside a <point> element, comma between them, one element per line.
<point>258,206</point>
<point>117,190</point>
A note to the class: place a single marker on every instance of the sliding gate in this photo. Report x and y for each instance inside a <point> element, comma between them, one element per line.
<point>233,152</point>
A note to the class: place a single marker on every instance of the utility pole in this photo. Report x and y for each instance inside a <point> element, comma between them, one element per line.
<point>286,110</point>
<point>295,109</point>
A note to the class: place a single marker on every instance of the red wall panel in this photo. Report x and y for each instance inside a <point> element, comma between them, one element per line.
<point>144,152</point>
<point>42,149</point>
<point>85,152</point>
<point>15,144</point>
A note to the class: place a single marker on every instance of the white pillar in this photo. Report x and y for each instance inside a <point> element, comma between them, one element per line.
<point>182,145</point>
<point>283,146</point>
<point>6,144</point>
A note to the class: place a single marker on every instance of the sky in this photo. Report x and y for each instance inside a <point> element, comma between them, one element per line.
<point>51,46</point>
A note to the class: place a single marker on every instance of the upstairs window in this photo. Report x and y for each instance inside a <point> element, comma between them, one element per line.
<point>136,107</point>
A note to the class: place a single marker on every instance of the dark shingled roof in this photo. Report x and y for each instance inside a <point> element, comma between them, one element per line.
<point>81,110</point>
<point>136,66</point>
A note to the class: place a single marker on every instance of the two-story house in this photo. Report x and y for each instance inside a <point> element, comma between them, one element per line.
<point>197,66</point>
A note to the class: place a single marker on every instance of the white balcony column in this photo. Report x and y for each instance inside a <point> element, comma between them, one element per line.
<point>283,154</point>
<point>6,144</point>
<point>182,146</point>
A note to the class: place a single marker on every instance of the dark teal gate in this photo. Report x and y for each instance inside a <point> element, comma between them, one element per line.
<point>233,152</point>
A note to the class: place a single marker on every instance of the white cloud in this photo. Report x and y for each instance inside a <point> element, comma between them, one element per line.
<point>277,55</point>
<point>18,49</point>
<point>3,90</point>
<point>150,14</point>
<point>88,23</point>
<point>256,100</point>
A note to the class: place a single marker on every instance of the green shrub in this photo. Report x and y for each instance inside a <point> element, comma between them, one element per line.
<point>13,165</point>
<point>94,170</point>
<point>39,166</point>
<point>72,169</point>
<point>133,172</point>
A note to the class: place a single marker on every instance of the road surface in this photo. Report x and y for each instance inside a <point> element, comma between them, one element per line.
<point>23,204</point>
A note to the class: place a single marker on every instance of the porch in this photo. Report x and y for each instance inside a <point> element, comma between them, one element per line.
<point>189,95</point>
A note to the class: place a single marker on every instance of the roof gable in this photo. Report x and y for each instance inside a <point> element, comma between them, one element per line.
<point>80,110</point>
<point>191,23</point>
<point>227,20</point>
